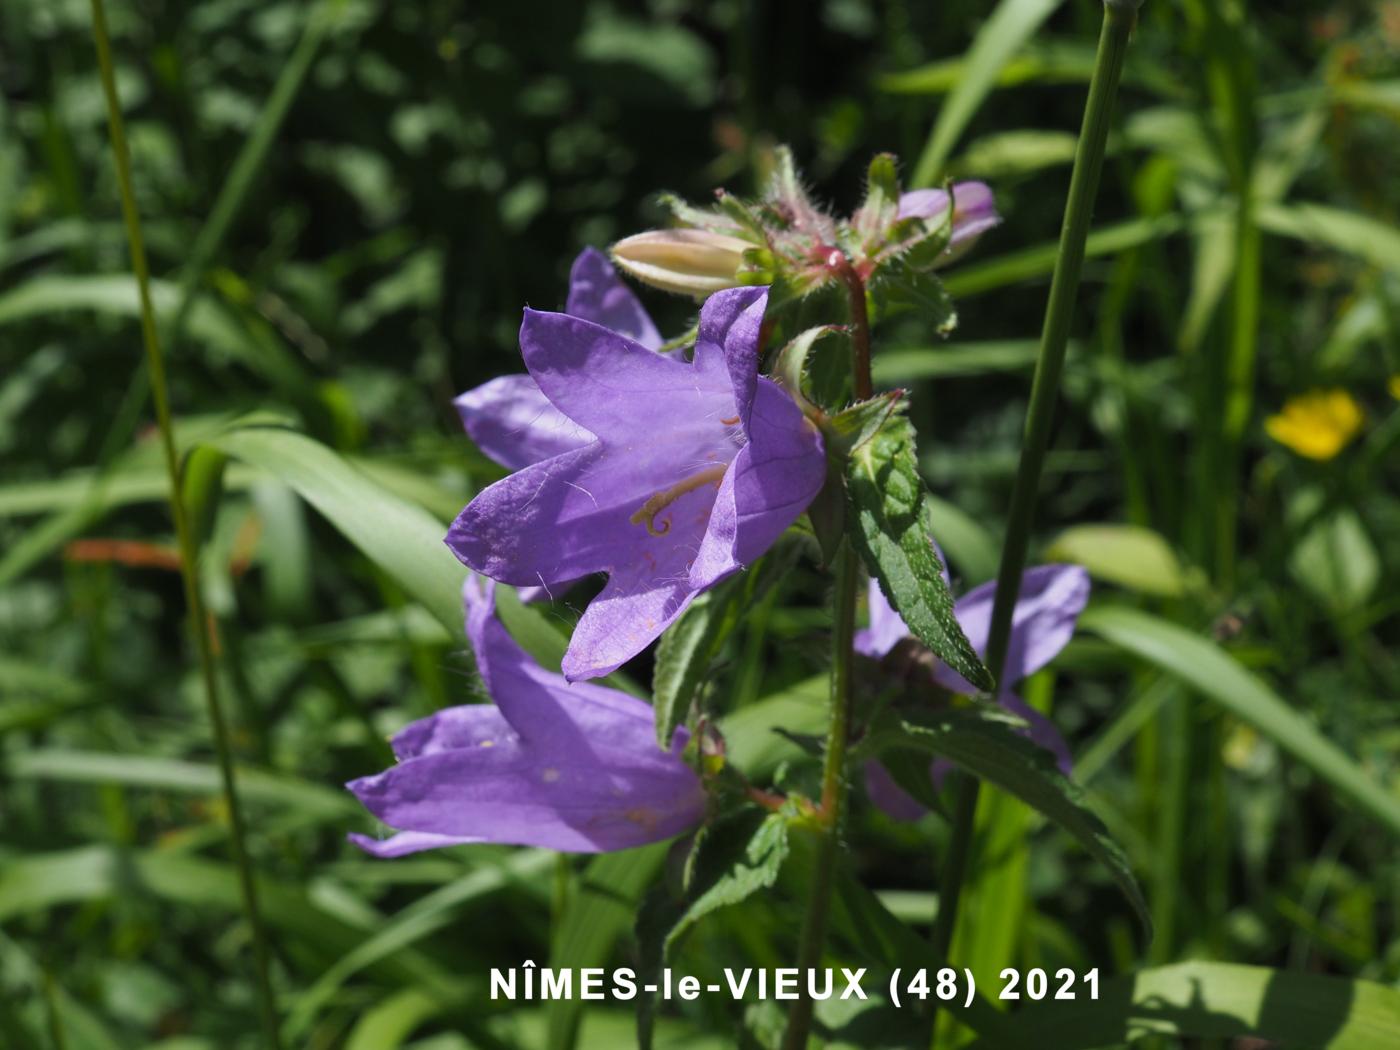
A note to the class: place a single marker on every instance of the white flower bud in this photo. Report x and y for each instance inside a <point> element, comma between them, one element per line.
<point>691,262</point>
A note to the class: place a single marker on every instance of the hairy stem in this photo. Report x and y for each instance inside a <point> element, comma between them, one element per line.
<point>1119,19</point>
<point>843,608</point>
<point>184,535</point>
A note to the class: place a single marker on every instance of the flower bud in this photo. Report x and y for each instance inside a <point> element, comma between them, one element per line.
<point>691,262</point>
<point>974,213</point>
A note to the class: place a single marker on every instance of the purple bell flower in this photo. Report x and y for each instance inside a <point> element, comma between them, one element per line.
<point>974,213</point>
<point>1047,607</point>
<point>509,418</point>
<point>565,767</point>
<point>693,470</point>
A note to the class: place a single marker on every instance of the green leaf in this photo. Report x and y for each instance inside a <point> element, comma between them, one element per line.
<point>402,539</point>
<point>1001,36</point>
<point>1337,562</point>
<point>790,366</point>
<point>983,740</point>
<point>878,212</point>
<point>893,535</point>
<point>1365,236</point>
<point>391,1022</point>
<point>898,284</point>
<point>1207,1000</point>
<point>1128,555</point>
<point>611,886</point>
<point>316,801</point>
<point>754,871</point>
<point>418,920</point>
<point>970,546</point>
<point>852,427</point>
<point>1211,671</point>
<point>944,360</point>
<point>691,644</point>
<point>1039,260</point>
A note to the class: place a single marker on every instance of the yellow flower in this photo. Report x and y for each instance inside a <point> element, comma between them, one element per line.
<point>1394,386</point>
<point>1317,424</point>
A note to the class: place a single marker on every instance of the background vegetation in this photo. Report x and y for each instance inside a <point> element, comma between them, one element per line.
<point>347,203</point>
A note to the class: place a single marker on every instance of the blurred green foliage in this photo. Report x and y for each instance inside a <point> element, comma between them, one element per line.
<point>437,167</point>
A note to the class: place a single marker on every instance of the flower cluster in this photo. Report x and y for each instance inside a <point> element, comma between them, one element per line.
<point>666,471</point>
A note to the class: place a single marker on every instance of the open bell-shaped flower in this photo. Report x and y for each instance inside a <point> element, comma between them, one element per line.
<point>549,764</point>
<point>694,469</point>
<point>1047,607</point>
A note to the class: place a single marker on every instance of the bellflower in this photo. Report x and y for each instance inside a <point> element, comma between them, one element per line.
<point>1048,605</point>
<point>694,470</point>
<point>565,767</point>
<point>974,213</point>
<point>509,418</point>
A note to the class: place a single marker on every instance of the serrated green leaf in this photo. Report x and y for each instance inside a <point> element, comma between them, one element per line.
<point>755,870</point>
<point>899,285</point>
<point>891,532</point>
<point>852,427</point>
<point>984,741</point>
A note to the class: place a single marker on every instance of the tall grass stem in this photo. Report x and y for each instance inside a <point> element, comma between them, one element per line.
<point>1119,18</point>
<point>189,569</point>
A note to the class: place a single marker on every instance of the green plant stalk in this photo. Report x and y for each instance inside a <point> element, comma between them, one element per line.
<point>813,937</point>
<point>843,604</point>
<point>189,569</point>
<point>1119,18</point>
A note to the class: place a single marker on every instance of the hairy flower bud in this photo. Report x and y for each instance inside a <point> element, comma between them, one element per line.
<point>691,262</point>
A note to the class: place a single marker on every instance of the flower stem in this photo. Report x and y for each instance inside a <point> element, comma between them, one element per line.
<point>1119,18</point>
<point>184,535</point>
<point>813,939</point>
<point>843,271</point>
<point>843,606</point>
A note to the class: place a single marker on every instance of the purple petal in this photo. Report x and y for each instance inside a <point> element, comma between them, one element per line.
<point>730,326</point>
<point>642,598</point>
<point>548,713</point>
<point>888,795</point>
<point>1041,730</point>
<point>511,420</point>
<point>923,204</point>
<point>1050,601</point>
<point>887,628</point>
<point>771,482</point>
<point>615,387</point>
<point>406,842</point>
<point>974,212</point>
<point>576,768</point>
<point>470,725</point>
<point>605,798</point>
<point>597,294</point>
<point>573,515</point>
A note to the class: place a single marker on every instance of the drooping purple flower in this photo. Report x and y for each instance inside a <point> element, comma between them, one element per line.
<point>974,213</point>
<point>1048,605</point>
<point>565,767</point>
<point>509,418</point>
<point>695,469</point>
